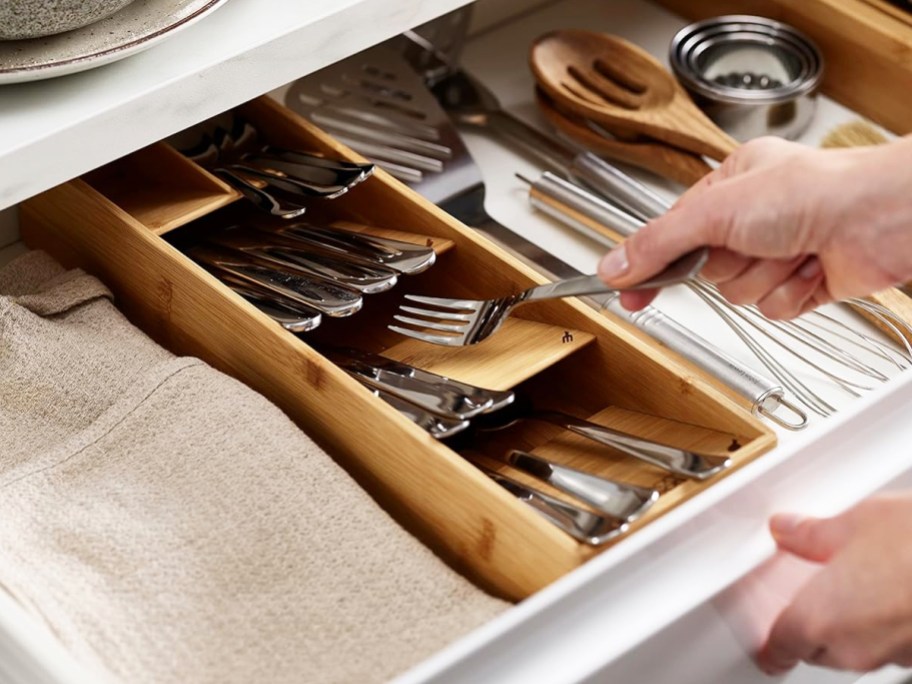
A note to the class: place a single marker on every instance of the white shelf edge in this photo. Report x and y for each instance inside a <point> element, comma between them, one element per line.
<point>52,131</point>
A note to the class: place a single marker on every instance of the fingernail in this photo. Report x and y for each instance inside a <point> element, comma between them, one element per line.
<point>784,524</point>
<point>810,269</point>
<point>614,264</point>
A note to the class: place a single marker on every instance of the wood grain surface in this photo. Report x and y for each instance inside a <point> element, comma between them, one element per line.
<point>607,369</point>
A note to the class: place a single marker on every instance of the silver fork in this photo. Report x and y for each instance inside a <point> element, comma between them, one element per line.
<point>469,321</point>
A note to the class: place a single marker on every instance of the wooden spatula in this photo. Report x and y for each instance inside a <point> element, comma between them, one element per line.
<point>664,160</point>
<point>619,85</point>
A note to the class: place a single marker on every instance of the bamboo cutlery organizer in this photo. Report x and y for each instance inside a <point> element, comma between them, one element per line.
<point>117,223</point>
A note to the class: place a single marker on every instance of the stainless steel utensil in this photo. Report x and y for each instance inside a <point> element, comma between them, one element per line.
<point>468,102</point>
<point>623,502</point>
<point>239,145</point>
<point>584,526</point>
<point>326,297</point>
<point>681,462</point>
<point>276,180</point>
<point>273,249</point>
<point>439,427</point>
<point>223,156</point>
<point>262,199</point>
<point>434,397</point>
<point>473,320</point>
<point>291,315</point>
<point>402,257</point>
<point>380,366</point>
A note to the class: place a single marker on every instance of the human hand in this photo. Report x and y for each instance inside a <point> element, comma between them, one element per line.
<point>856,613</point>
<point>790,227</point>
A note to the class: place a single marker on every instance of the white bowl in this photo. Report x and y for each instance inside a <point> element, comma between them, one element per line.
<point>23,19</point>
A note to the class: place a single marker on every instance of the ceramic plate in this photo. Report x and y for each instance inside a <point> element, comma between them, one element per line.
<point>138,26</point>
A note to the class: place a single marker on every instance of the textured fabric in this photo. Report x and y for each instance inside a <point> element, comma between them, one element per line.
<point>170,525</point>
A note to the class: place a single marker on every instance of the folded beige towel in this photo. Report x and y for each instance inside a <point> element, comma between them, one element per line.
<point>171,525</point>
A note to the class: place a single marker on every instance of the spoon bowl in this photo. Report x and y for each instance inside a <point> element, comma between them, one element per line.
<point>620,86</point>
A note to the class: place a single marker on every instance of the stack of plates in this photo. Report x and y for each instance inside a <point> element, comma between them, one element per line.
<point>139,25</point>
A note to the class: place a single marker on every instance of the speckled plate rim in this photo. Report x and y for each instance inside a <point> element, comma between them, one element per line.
<point>90,60</point>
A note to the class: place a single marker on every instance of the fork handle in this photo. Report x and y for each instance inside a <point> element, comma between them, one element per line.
<point>571,287</point>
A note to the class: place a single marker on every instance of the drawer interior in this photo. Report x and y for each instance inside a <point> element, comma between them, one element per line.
<point>128,223</point>
<point>863,42</point>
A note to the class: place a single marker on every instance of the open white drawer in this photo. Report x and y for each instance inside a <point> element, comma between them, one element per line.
<point>668,604</point>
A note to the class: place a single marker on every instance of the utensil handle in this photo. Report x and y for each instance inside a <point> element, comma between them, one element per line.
<point>571,287</point>
<point>679,270</point>
<point>589,213</point>
<point>579,523</point>
<point>439,427</point>
<point>620,501</point>
<point>587,168</point>
<point>278,178</point>
<point>766,397</point>
<point>260,198</point>
<point>545,148</point>
<point>678,461</point>
<point>326,297</point>
<point>616,186</point>
<point>435,398</point>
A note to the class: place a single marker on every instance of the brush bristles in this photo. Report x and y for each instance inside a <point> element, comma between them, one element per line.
<point>857,133</point>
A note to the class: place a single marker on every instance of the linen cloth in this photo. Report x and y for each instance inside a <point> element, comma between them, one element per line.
<point>168,524</point>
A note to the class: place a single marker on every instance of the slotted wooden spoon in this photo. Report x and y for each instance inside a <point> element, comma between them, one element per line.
<point>664,160</point>
<point>620,86</point>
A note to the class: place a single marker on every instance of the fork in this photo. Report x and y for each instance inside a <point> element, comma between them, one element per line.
<point>469,321</point>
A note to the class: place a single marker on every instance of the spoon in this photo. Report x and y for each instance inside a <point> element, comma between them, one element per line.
<point>664,160</point>
<point>618,85</point>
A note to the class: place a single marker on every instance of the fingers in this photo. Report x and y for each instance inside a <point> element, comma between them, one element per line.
<point>656,245</point>
<point>790,299</point>
<point>826,625</point>
<point>716,217</point>
<point>807,631</point>
<point>634,300</point>
<point>780,288</point>
<point>724,265</point>
<point>788,644</point>
<point>714,213</point>
<point>813,539</point>
<point>854,614</point>
<point>758,280</point>
<point>755,154</point>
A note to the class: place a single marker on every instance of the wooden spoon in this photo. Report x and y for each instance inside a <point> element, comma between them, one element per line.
<point>664,160</point>
<point>619,85</point>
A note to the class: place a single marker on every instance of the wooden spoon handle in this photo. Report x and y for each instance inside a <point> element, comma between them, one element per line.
<point>701,134</point>
<point>663,160</point>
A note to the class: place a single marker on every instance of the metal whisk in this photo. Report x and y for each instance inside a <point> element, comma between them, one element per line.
<point>801,339</point>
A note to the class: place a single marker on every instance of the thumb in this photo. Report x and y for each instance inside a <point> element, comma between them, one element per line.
<point>652,248</point>
<point>814,539</point>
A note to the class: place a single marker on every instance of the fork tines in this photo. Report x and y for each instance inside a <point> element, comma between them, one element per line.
<point>447,323</point>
